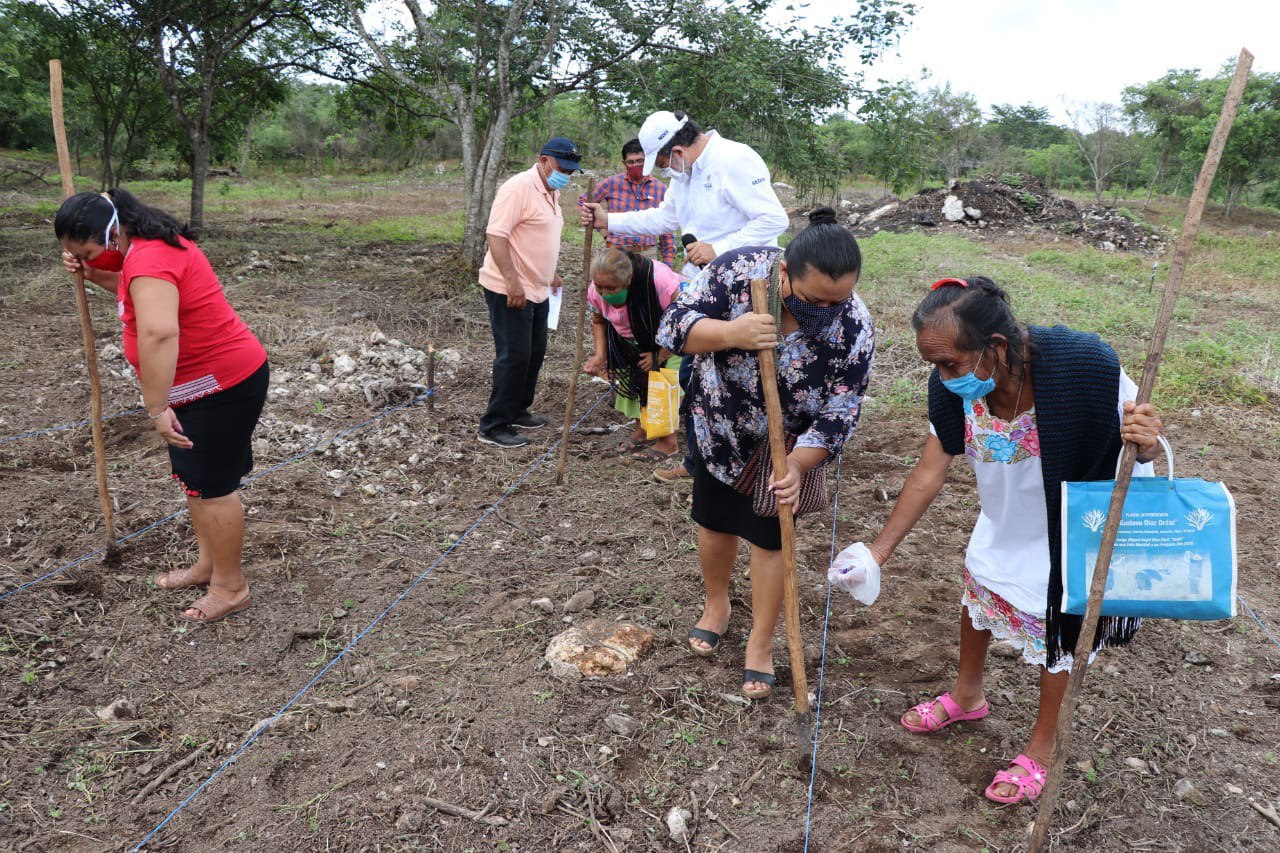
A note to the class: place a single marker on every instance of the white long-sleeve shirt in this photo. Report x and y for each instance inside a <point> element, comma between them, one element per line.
<point>726,200</point>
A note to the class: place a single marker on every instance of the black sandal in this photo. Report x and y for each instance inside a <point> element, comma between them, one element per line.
<point>711,638</point>
<point>750,675</point>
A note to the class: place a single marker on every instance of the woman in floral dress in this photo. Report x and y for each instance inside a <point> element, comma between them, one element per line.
<point>824,363</point>
<point>1029,408</point>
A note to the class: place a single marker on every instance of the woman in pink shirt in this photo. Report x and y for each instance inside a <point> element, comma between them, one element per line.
<point>628,295</point>
<point>203,373</point>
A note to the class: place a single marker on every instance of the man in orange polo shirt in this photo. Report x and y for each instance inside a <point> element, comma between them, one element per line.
<point>517,276</point>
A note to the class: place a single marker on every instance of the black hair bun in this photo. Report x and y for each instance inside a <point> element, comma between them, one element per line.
<point>822,216</point>
<point>981,282</point>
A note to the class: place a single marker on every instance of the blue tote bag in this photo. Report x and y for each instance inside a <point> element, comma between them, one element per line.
<point>1175,554</point>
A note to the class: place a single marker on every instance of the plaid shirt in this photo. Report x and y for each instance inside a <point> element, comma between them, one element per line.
<point>619,195</point>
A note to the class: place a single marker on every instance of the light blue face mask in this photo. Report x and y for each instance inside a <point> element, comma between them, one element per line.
<point>557,180</point>
<point>970,387</point>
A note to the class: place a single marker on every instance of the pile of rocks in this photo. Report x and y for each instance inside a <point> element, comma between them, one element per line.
<point>361,373</point>
<point>1006,203</point>
<point>1112,229</point>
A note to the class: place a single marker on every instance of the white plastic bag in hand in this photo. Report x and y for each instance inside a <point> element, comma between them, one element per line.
<point>856,571</point>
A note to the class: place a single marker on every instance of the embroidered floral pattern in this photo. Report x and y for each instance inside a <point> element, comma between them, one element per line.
<point>821,382</point>
<point>990,612</point>
<point>990,439</point>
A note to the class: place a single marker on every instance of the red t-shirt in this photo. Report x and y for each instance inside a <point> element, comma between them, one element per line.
<point>216,350</point>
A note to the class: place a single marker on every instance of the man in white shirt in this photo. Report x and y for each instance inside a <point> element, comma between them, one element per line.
<point>720,192</point>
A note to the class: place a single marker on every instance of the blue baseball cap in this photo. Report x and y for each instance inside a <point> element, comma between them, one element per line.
<point>565,152</point>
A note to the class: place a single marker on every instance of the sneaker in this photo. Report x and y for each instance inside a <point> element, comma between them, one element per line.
<point>530,421</point>
<point>671,475</point>
<point>502,437</point>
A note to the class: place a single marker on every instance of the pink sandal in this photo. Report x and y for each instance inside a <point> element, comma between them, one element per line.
<point>929,722</point>
<point>1029,786</point>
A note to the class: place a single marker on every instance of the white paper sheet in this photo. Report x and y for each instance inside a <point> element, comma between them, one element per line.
<point>553,308</point>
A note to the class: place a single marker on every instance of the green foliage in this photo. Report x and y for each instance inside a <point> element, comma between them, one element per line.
<point>952,126</point>
<point>220,63</point>
<point>24,88</point>
<point>896,135</point>
<point>1181,110</point>
<point>1027,126</point>
<point>770,86</point>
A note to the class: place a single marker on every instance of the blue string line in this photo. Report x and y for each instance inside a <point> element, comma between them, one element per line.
<point>62,427</point>
<point>1261,625</point>
<point>373,624</point>
<point>297,456</point>
<point>822,664</point>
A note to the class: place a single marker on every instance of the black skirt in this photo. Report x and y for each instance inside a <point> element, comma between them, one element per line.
<point>718,506</point>
<point>220,427</point>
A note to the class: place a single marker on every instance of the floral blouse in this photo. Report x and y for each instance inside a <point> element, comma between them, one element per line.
<point>989,439</point>
<point>821,382</point>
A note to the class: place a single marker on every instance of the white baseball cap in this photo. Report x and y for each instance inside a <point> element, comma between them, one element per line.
<point>656,133</point>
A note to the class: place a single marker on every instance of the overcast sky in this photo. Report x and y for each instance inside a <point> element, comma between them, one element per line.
<point>1045,51</point>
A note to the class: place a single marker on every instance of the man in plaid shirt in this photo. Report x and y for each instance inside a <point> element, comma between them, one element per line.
<point>630,191</point>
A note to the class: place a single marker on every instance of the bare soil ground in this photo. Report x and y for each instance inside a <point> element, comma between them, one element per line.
<point>447,700</point>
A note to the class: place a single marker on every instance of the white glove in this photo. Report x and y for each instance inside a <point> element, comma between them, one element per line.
<point>856,571</point>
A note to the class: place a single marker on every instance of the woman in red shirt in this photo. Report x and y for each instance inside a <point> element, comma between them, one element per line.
<point>204,375</point>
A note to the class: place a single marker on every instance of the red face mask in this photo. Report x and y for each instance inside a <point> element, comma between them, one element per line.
<point>108,260</point>
<point>635,173</point>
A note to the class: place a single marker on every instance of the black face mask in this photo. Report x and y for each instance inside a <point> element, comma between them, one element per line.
<point>813,320</point>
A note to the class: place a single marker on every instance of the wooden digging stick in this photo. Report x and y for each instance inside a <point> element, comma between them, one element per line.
<point>791,579</point>
<point>82,308</point>
<point>1181,252</point>
<point>589,231</point>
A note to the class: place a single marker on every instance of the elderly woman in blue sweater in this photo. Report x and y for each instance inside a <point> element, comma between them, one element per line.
<point>1029,408</point>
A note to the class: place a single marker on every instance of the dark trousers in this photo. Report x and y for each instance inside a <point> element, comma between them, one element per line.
<point>520,345</point>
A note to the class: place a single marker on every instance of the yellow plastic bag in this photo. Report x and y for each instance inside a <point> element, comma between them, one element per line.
<point>661,414</point>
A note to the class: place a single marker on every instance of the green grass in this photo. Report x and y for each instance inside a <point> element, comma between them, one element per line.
<point>434,228</point>
<point>1237,259</point>
<point>1213,355</point>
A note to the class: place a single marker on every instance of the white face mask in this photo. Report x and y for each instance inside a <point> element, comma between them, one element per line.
<point>674,171</point>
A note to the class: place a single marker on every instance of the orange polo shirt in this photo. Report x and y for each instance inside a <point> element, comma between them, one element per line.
<point>528,215</point>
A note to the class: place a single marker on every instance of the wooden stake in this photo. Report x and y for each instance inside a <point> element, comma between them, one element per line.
<point>82,308</point>
<point>1181,252</point>
<point>589,231</point>
<point>786,520</point>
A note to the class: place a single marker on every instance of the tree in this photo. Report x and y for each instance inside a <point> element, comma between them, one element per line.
<point>1252,154</point>
<point>846,149</point>
<point>1163,108</point>
<point>897,135</point>
<point>952,123</point>
<point>769,86</point>
<point>25,49</point>
<point>483,64</point>
<point>220,62</point>
<point>1027,126</point>
<point>1182,109</point>
<point>480,64</point>
<point>113,95</point>
<point>1095,128</point>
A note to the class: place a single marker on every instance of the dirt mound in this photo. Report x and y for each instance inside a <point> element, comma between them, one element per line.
<point>1009,203</point>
